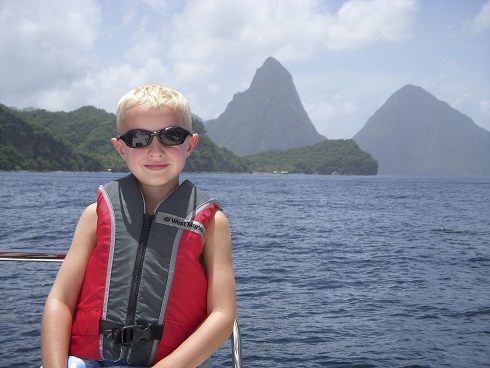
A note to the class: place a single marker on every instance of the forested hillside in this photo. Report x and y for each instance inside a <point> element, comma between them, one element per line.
<point>87,128</point>
<point>91,129</point>
<point>80,140</point>
<point>27,145</point>
<point>328,157</point>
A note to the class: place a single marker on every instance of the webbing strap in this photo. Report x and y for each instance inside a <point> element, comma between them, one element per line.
<point>127,335</point>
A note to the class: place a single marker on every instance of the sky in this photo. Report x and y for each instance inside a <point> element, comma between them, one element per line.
<point>346,57</point>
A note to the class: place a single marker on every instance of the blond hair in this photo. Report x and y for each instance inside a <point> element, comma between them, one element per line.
<point>154,96</point>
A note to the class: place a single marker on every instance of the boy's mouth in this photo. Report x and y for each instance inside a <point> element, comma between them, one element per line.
<point>156,167</point>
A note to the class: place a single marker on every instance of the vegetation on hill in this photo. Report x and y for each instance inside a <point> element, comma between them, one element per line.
<point>208,157</point>
<point>27,145</point>
<point>91,130</point>
<point>328,157</point>
<point>87,128</point>
<point>40,140</point>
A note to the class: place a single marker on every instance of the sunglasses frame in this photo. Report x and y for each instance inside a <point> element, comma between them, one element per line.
<point>158,134</point>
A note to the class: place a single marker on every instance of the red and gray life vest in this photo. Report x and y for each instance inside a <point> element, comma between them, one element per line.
<point>145,288</point>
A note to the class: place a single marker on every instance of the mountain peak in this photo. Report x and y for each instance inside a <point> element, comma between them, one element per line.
<point>268,116</point>
<point>270,74</point>
<point>411,88</point>
<point>414,94</point>
<point>414,133</point>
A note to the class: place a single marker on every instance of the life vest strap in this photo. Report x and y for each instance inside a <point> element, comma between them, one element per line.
<point>129,334</point>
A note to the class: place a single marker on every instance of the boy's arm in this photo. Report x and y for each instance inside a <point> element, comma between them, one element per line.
<point>61,301</point>
<point>218,326</point>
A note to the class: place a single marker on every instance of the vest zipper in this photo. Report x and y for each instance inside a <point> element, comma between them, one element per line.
<point>138,269</point>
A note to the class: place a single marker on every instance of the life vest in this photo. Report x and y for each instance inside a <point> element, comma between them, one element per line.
<point>145,289</point>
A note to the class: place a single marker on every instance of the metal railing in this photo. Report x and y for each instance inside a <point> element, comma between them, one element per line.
<point>236,346</point>
<point>236,339</point>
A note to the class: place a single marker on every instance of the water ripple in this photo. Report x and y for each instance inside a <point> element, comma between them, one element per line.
<point>330,271</point>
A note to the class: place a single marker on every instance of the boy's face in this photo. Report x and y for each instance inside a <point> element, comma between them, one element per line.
<point>155,165</point>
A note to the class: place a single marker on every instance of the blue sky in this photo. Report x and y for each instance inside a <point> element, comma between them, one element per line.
<point>346,57</point>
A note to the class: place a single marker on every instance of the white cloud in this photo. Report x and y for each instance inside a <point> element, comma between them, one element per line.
<point>226,41</point>
<point>359,23</point>
<point>481,22</point>
<point>485,107</point>
<point>214,30</point>
<point>328,113</point>
<point>44,46</point>
<point>61,55</point>
<point>332,109</point>
<point>144,42</point>
<point>61,50</point>
<point>101,89</point>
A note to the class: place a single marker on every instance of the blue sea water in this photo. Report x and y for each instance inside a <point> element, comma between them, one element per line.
<point>331,271</point>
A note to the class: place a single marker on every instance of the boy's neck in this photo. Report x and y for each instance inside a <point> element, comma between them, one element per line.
<point>153,196</point>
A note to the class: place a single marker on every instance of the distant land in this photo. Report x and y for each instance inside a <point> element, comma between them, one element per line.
<point>414,133</point>
<point>26,144</point>
<point>80,141</point>
<point>338,157</point>
<point>267,116</point>
<point>266,128</point>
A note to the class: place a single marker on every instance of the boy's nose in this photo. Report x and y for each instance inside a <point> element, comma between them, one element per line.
<point>156,147</point>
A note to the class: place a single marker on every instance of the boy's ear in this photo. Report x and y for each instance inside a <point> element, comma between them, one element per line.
<point>117,143</point>
<point>191,143</point>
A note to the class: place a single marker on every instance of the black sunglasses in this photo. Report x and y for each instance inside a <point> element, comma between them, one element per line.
<point>170,136</point>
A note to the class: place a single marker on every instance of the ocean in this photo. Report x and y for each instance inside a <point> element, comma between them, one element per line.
<point>331,271</point>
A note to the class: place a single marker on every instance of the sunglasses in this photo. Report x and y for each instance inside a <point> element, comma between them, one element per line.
<point>139,138</point>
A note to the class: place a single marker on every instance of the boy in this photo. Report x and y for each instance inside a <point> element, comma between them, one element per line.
<point>148,279</point>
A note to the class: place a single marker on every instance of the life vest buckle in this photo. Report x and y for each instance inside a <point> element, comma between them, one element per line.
<point>127,335</point>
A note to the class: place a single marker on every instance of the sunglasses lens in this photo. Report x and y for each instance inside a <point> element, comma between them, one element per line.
<point>137,138</point>
<point>173,136</point>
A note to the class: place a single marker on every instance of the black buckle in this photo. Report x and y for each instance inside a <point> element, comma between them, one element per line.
<point>128,335</point>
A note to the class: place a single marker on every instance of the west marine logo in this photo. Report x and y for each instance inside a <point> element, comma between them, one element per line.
<point>180,222</point>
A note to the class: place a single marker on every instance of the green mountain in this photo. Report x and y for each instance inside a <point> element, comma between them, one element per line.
<point>267,116</point>
<point>79,140</point>
<point>88,128</point>
<point>25,144</point>
<point>93,129</point>
<point>414,133</point>
<point>326,158</point>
